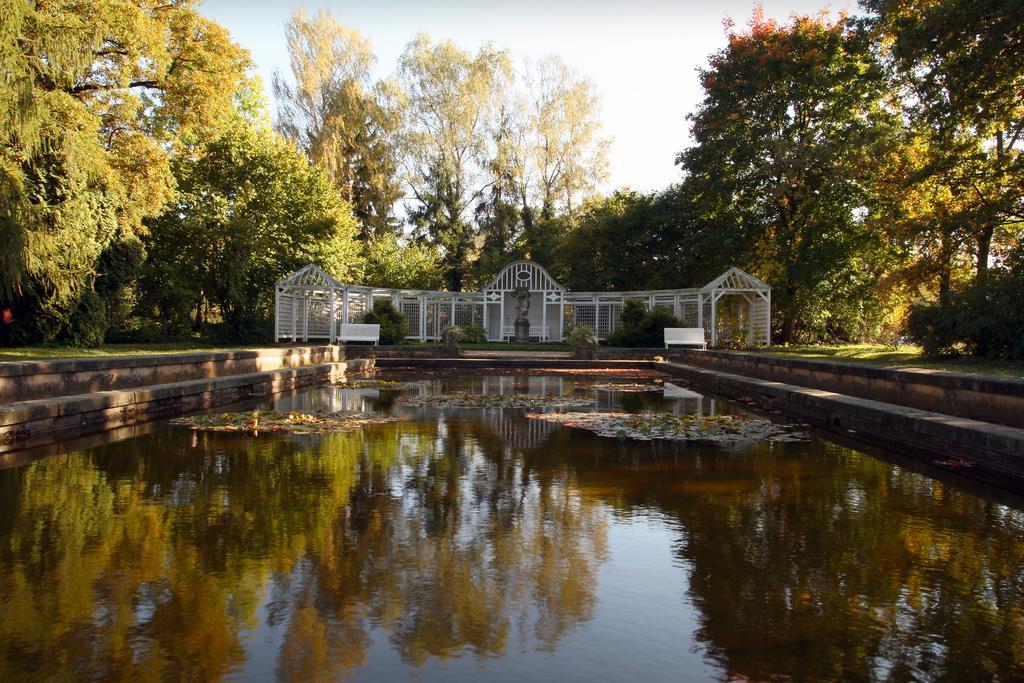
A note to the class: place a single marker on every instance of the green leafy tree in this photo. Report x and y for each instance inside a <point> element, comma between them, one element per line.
<point>784,137</point>
<point>959,66</point>
<point>249,210</point>
<point>93,98</point>
<point>390,263</point>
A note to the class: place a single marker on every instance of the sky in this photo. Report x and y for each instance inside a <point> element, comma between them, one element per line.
<point>643,55</point>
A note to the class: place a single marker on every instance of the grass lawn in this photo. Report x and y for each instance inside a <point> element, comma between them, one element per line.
<point>510,346</point>
<point>48,352</point>
<point>905,356</point>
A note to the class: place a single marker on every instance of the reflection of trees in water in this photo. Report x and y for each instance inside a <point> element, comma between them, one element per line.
<point>815,562</point>
<point>116,565</point>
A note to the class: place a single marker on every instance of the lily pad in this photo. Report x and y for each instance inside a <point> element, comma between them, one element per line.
<point>272,422</point>
<point>467,400</point>
<point>730,429</point>
<point>626,387</point>
<point>378,384</point>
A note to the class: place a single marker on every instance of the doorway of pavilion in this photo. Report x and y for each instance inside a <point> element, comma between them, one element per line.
<point>524,285</point>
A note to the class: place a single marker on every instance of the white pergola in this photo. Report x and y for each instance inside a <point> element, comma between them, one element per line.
<point>310,304</point>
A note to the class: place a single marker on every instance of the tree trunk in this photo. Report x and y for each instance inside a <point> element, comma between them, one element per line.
<point>788,319</point>
<point>945,266</point>
<point>984,240</point>
<point>197,325</point>
<point>786,334</point>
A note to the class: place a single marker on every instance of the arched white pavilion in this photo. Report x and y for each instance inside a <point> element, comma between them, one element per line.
<point>310,304</point>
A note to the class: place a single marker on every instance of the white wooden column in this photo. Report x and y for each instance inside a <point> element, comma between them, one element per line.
<point>332,331</point>
<point>714,319</point>
<point>751,309</point>
<point>295,319</point>
<point>277,314</point>
<point>561,316</point>
<point>451,321</point>
<point>423,317</point>
<point>344,307</point>
<point>543,315</point>
<point>501,318</point>
<point>305,316</point>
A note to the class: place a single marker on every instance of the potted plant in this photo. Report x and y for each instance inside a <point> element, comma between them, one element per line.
<point>450,342</point>
<point>583,339</point>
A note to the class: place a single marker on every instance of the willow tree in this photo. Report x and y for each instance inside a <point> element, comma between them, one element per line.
<point>331,109</point>
<point>92,99</point>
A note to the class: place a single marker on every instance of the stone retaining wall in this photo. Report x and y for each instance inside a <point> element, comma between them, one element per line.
<point>979,397</point>
<point>980,449</point>
<point>31,380</point>
<point>42,421</point>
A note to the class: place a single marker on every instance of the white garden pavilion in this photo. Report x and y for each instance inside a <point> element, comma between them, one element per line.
<point>310,305</point>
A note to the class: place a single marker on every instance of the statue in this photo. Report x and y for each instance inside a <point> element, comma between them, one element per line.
<point>522,295</point>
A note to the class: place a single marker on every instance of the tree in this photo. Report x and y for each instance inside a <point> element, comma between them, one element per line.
<point>93,98</point>
<point>783,138</point>
<point>389,263</point>
<point>250,209</point>
<point>501,211</point>
<point>450,96</point>
<point>960,67</point>
<point>569,157</point>
<point>621,242</point>
<point>330,109</point>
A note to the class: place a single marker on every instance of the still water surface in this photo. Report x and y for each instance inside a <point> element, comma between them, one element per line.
<point>477,544</point>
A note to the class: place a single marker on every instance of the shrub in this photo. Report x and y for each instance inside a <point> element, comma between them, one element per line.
<point>474,334</point>
<point>653,324</point>
<point>937,327</point>
<point>640,327</point>
<point>88,324</point>
<point>982,319</point>
<point>393,325</point>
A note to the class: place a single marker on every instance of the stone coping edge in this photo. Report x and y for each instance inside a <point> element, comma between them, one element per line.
<point>946,379</point>
<point>948,441</point>
<point>69,365</point>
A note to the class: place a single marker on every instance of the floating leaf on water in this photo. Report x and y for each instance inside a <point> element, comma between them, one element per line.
<point>626,387</point>
<point>272,422</point>
<point>378,384</point>
<point>730,429</point>
<point>467,400</point>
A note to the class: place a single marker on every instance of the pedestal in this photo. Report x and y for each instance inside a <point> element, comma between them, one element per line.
<point>522,330</point>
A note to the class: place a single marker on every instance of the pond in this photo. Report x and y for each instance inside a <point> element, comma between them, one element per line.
<point>472,543</point>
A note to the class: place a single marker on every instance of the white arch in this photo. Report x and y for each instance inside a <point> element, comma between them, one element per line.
<point>519,273</point>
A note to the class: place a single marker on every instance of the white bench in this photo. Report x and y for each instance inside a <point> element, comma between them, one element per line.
<point>693,336</point>
<point>358,332</point>
<point>508,332</point>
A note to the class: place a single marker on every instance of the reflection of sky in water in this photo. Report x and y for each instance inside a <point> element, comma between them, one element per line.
<point>472,544</point>
<point>668,399</point>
